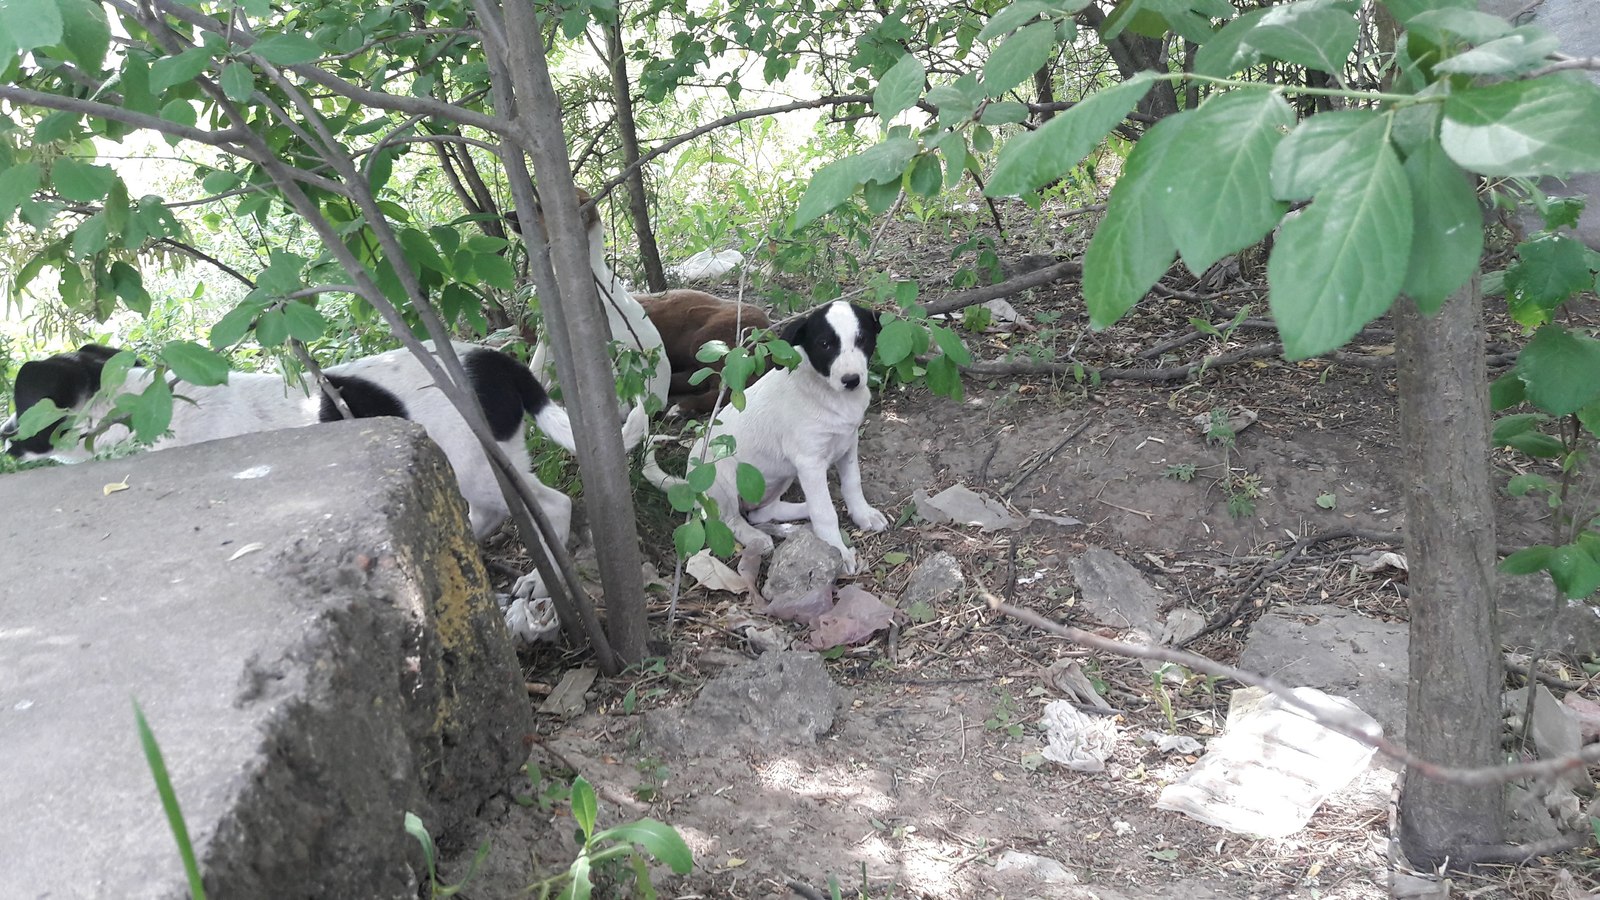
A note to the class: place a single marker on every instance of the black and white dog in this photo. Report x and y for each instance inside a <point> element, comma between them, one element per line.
<point>796,425</point>
<point>388,384</point>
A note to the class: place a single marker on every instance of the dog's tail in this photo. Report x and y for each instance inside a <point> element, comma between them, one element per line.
<point>652,471</point>
<point>557,425</point>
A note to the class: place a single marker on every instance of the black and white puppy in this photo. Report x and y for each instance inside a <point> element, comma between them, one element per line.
<point>796,425</point>
<point>388,384</point>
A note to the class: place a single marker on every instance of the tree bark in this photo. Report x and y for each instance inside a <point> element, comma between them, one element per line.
<point>1453,711</point>
<point>638,204</point>
<point>579,335</point>
<point>1135,53</point>
<point>1044,88</point>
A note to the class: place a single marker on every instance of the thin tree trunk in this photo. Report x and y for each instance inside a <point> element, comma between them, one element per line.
<point>1453,711</point>
<point>1134,53</point>
<point>1044,87</point>
<point>638,205</point>
<point>579,333</point>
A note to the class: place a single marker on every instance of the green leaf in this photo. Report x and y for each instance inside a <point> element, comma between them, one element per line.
<point>169,801</point>
<point>1325,149</point>
<point>181,69</point>
<point>238,82</point>
<point>1009,19</point>
<point>1547,126</point>
<point>689,538</point>
<point>1561,370</point>
<point>895,341</point>
<point>701,477</point>
<point>752,485</point>
<point>944,379</point>
<point>584,807</point>
<point>1132,248</point>
<point>660,840</point>
<point>950,343</point>
<point>1523,49</point>
<point>85,32</point>
<point>181,112</point>
<point>26,24</point>
<point>286,49</point>
<point>495,271</point>
<point>1546,272</point>
<point>681,497</point>
<point>272,329</point>
<point>900,87</point>
<point>38,417</point>
<point>305,323</point>
<point>835,182</point>
<point>194,363</point>
<point>1340,263</point>
<point>1034,159</point>
<point>81,181</point>
<point>1521,485</point>
<point>927,177</point>
<point>1447,234</point>
<point>17,184</point>
<point>233,326</point>
<point>1221,204</point>
<point>1317,36</point>
<point>957,100</point>
<point>719,537</point>
<point>1000,112</point>
<point>1227,51</point>
<point>1456,20</point>
<point>1505,392</point>
<point>90,237</point>
<point>1527,561</point>
<point>152,411</point>
<point>1575,572</point>
<point>1018,57</point>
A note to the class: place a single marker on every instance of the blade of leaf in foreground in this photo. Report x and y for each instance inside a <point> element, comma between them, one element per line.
<point>1320,150</point>
<point>1132,247</point>
<point>900,87</point>
<point>1340,263</point>
<point>1222,203</point>
<point>169,803</point>
<point>1029,161</point>
<point>1547,126</point>
<point>1561,370</point>
<point>1447,238</point>
<point>1317,37</point>
<point>661,840</point>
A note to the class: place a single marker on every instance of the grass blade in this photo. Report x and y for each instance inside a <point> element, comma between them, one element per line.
<point>169,802</point>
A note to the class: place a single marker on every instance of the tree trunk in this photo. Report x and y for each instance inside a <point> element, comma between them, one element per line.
<point>579,335</point>
<point>1044,87</point>
<point>1453,712</point>
<point>638,204</point>
<point>1135,53</point>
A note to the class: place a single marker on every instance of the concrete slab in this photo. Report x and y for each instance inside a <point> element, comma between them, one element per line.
<point>306,621</point>
<point>1338,651</point>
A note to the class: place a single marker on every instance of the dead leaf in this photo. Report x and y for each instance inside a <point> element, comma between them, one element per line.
<point>115,487</point>
<point>714,574</point>
<point>1375,561</point>
<point>247,548</point>
<point>856,617</point>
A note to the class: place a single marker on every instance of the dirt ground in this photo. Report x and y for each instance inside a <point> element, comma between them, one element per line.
<point>930,774</point>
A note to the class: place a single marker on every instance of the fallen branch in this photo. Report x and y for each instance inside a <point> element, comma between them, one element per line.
<point>1037,278</point>
<point>1185,371</point>
<point>1340,724</point>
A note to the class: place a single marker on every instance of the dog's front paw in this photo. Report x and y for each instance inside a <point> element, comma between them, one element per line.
<point>852,563</point>
<point>870,519</point>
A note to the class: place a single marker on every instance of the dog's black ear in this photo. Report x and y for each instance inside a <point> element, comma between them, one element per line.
<point>97,352</point>
<point>512,220</point>
<point>795,331</point>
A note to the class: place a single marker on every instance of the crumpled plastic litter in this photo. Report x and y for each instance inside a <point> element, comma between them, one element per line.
<point>530,620</point>
<point>1076,739</point>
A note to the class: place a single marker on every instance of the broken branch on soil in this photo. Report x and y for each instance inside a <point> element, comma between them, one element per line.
<point>1189,370</point>
<point>1037,278</point>
<point>1369,736</point>
<point>1032,467</point>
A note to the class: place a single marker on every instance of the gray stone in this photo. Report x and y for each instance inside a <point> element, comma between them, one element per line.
<point>1039,868</point>
<point>801,564</point>
<point>1113,593</point>
<point>1535,618</point>
<point>784,698</point>
<point>964,506</point>
<point>1334,650</point>
<point>306,622</point>
<point>934,580</point>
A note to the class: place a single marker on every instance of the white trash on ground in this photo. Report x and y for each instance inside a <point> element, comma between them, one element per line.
<point>1273,765</point>
<point>1077,739</point>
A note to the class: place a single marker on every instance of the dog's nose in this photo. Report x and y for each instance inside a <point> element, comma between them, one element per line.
<point>850,382</point>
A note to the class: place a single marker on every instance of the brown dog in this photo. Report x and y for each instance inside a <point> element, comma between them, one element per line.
<point>687,319</point>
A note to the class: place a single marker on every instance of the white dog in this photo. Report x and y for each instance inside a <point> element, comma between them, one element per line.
<point>389,384</point>
<point>626,319</point>
<point>798,423</point>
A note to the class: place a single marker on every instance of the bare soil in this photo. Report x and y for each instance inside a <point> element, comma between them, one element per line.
<point>930,774</point>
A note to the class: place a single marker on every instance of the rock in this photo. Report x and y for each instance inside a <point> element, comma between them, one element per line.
<point>1554,730</point>
<point>1040,868</point>
<point>1181,625</point>
<point>963,506</point>
<point>1587,712</point>
<point>1338,651</point>
<point>780,699</point>
<point>800,565</point>
<point>1113,593</point>
<point>934,580</point>
<point>1534,618</point>
<point>1415,887</point>
<point>350,667</point>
